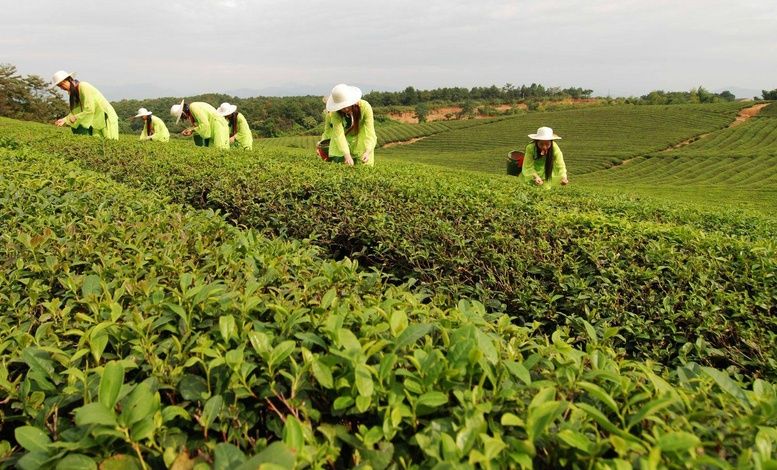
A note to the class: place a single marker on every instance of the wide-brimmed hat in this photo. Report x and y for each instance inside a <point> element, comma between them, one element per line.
<point>143,112</point>
<point>226,109</point>
<point>342,96</point>
<point>60,75</point>
<point>544,133</point>
<point>177,110</point>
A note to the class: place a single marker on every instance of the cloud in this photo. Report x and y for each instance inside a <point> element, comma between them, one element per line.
<point>228,44</point>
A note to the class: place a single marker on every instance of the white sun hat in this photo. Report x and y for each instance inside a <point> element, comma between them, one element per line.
<point>177,110</point>
<point>57,78</point>
<point>226,109</point>
<point>143,112</point>
<point>544,133</point>
<point>343,96</point>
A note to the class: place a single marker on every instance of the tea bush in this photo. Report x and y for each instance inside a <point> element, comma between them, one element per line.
<point>674,290</point>
<point>141,334</point>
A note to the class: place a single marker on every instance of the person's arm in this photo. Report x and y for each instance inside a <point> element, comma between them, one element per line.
<point>201,119</point>
<point>527,169</point>
<point>561,167</point>
<point>368,128</point>
<point>244,131</point>
<point>160,130</point>
<point>338,135</point>
<point>84,118</point>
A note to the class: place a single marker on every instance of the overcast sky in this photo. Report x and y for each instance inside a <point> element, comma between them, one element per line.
<point>145,48</point>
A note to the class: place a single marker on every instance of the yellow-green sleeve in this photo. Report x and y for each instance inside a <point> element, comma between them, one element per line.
<point>527,170</point>
<point>338,134</point>
<point>161,134</point>
<point>88,108</point>
<point>560,167</point>
<point>243,136</point>
<point>202,119</point>
<point>368,123</point>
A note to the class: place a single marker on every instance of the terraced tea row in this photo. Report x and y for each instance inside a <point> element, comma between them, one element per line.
<point>386,132</point>
<point>594,138</point>
<point>140,333</point>
<point>672,288</point>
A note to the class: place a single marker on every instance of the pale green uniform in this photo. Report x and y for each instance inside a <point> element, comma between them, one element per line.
<point>358,144</point>
<point>161,134</point>
<point>210,124</point>
<point>94,111</point>
<point>533,166</point>
<point>243,135</point>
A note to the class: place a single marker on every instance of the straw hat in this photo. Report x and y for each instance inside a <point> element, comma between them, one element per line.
<point>143,112</point>
<point>177,110</point>
<point>343,96</point>
<point>544,133</point>
<point>57,78</point>
<point>226,109</point>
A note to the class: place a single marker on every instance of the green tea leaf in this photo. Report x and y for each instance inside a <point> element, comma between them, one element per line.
<point>227,327</point>
<point>363,378</point>
<point>293,435</point>
<point>212,410</point>
<point>576,440</point>
<point>432,399</point>
<point>76,462</point>
<point>412,334</point>
<point>677,441</point>
<point>32,439</point>
<point>322,373</point>
<point>110,384</point>
<point>281,352</point>
<point>227,456</point>
<point>95,413</point>
<point>540,417</point>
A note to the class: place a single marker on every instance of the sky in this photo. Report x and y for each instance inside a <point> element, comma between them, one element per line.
<point>142,48</point>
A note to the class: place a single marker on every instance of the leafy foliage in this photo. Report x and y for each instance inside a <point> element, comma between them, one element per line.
<point>28,98</point>
<point>142,334</point>
<point>680,285</point>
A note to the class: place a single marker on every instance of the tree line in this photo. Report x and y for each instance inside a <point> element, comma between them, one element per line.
<point>31,98</point>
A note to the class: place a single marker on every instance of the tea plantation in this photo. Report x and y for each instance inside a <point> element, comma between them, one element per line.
<point>173,307</point>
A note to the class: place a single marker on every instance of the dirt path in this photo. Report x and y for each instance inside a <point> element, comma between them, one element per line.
<point>403,142</point>
<point>447,113</point>
<point>742,116</point>
<point>747,113</point>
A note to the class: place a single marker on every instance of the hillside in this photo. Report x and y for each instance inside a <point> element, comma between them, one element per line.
<point>172,305</point>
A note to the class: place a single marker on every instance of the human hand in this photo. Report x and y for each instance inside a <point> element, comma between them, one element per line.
<point>366,157</point>
<point>348,160</point>
<point>232,140</point>
<point>537,180</point>
<point>186,132</point>
<point>564,181</point>
<point>59,122</point>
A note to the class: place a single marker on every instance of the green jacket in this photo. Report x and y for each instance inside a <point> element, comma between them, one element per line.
<point>534,166</point>
<point>356,144</point>
<point>161,134</point>
<point>94,111</point>
<point>210,124</point>
<point>242,135</point>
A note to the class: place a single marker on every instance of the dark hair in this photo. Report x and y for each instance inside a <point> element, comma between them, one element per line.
<point>233,123</point>
<point>74,96</point>
<point>548,159</point>
<point>149,126</point>
<point>185,110</point>
<point>357,115</point>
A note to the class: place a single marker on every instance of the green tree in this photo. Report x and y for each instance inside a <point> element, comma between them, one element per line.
<point>421,111</point>
<point>769,95</point>
<point>28,98</point>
